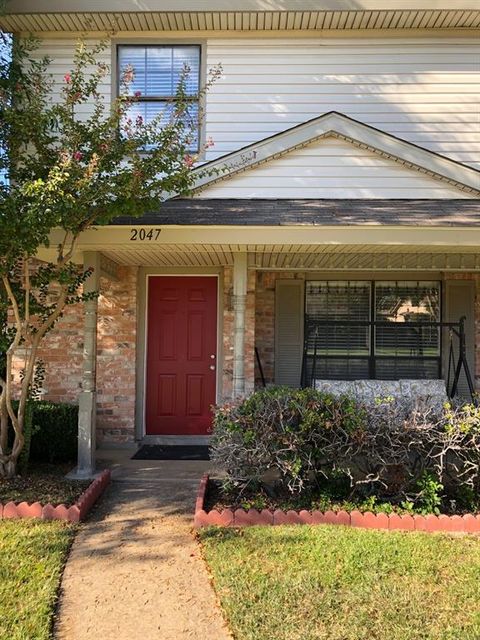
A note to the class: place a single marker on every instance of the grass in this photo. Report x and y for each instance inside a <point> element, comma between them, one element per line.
<point>43,483</point>
<point>32,556</point>
<point>336,583</point>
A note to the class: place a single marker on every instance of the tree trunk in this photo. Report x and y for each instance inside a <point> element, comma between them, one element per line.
<point>3,424</point>
<point>8,468</point>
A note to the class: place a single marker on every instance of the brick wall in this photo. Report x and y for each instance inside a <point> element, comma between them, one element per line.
<point>62,350</point>
<point>62,353</point>
<point>116,353</point>
<point>116,357</point>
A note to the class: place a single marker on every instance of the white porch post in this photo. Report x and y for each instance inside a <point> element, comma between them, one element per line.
<point>87,399</point>
<point>239,303</point>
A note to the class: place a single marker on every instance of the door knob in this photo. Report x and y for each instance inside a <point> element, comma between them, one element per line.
<point>212,367</point>
<point>212,356</point>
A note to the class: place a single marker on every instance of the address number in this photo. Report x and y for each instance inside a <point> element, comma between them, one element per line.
<point>144,234</point>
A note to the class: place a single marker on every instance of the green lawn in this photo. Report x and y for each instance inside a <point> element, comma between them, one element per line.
<point>32,556</point>
<point>336,583</point>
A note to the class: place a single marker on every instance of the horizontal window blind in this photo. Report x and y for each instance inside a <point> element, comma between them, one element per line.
<point>361,329</point>
<point>157,72</point>
<point>159,69</point>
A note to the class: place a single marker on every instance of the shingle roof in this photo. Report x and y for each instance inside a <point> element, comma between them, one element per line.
<point>270,212</point>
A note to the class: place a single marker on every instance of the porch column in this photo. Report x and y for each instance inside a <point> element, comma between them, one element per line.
<point>239,303</point>
<point>87,405</point>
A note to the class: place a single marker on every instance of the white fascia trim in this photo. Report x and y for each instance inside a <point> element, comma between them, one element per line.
<point>335,124</point>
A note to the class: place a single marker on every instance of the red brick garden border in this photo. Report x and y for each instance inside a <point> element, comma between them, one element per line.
<point>240,518</point>
<point>74,513</point>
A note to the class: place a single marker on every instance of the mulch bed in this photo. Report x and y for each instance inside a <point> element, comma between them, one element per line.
<point>256,513</point>
<point>45,484</point>
<point>217,499</point>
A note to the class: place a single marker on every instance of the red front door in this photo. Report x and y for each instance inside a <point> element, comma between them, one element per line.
<point>181,354</point>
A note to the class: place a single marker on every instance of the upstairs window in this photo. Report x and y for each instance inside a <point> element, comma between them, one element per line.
<point>158,70</point>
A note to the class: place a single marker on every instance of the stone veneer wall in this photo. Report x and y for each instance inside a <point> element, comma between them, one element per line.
<point>265,319</point>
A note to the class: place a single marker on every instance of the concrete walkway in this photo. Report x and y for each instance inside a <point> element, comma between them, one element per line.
<point>135,570</point>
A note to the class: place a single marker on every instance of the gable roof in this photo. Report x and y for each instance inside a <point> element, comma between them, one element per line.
<point>337,125</point>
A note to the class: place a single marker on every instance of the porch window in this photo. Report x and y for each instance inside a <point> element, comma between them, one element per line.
<point>360,329</point>
<point>158,70</point>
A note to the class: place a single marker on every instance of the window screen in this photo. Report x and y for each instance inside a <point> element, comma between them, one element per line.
<point>360,329</point>
<point>157,73</point>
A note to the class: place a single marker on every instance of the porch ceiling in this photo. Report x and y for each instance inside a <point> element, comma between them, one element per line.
<point>257,15</point>
<point>303,257</point>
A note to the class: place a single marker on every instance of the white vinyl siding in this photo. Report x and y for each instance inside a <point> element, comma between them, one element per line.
<point>424,90</point>
<point>331,168</point>
<point>61,52</point>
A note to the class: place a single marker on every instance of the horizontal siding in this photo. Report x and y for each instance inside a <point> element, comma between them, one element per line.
<point>426,92</point>
<point>331,169</point>
<point>61,53</point>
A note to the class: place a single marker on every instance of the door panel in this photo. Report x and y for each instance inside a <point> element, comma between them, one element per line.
<point>181,340</point>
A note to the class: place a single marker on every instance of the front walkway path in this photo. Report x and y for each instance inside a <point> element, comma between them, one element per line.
<point>135,571</point>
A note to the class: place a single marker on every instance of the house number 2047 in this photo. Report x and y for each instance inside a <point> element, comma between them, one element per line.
<point>144,234</point>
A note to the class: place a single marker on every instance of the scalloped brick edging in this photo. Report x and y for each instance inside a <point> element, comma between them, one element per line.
<point>368,520</point>
<point>74,513</point>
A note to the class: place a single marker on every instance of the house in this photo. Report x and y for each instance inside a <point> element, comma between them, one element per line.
<point>341,231</point>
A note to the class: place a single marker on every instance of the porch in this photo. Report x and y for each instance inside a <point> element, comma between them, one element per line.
<point>278,266</point>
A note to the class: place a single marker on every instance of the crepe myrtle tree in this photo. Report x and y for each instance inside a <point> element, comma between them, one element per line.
<point>70,162</point>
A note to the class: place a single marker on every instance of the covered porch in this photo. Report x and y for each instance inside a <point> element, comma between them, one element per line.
<point>279,269</point>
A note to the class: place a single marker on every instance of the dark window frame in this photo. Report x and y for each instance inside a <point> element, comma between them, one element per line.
<point>372,324</point>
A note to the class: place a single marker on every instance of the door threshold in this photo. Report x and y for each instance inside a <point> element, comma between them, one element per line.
<point>177,440</point>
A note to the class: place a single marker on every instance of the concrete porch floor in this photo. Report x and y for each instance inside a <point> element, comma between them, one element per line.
<point>135,569</point>
<point>125,469</point>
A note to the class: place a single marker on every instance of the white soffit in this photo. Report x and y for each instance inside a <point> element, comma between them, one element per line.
<point>223,15</point>
<point>337,125</point>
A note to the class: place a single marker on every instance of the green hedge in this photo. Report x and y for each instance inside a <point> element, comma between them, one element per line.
<point>54,432</point>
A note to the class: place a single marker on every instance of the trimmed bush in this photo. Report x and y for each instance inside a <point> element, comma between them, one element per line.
<point>287,432</point>
<point>304,441</point>
<point>54,432</point>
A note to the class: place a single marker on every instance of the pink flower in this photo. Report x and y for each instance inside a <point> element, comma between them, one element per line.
<point>188,160</point>
<point>209,143</point>
<point>139,121</point>
<point>128,74</point>
<point>137,94</point>
<point>78,155</point>
<point>67,77</point>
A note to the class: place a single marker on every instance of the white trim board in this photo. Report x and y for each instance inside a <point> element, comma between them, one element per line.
<point>337,125</point>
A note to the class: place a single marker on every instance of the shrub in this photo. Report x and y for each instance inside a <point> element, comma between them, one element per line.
<point>401,447</point>
<point>291,433</point>
<point>293,440</point>
<point>54,432</point>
